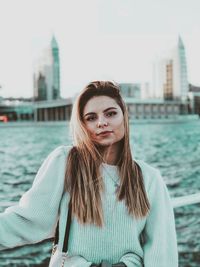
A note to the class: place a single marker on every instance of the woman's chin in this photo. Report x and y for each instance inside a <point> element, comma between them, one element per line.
<point>105,143</point>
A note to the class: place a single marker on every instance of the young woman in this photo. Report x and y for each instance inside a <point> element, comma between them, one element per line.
<point>121,209</point>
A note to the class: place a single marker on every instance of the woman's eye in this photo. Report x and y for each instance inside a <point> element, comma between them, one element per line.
<point>90,118</point>
<point>112,113</point>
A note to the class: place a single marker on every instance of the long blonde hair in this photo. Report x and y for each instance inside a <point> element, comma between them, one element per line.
<point>83,179</point>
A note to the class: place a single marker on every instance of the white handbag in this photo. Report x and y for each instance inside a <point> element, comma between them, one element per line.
<point>58,258</point>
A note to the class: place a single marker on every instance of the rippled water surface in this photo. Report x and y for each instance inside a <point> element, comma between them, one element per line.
<point>173,148</point>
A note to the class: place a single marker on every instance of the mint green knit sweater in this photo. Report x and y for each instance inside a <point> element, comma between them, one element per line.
<point>35,217</point>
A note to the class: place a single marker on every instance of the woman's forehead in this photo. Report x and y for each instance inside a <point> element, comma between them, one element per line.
<point>98,103</point>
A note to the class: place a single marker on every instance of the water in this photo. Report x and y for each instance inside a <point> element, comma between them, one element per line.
<point>173,148</point>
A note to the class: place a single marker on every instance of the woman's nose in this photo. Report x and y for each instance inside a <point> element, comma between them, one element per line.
<point>102,123</point>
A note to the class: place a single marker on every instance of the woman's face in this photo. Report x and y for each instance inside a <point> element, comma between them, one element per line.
<point>104,120</point>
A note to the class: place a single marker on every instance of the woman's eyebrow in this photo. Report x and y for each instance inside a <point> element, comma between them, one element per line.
<point>105,110</point>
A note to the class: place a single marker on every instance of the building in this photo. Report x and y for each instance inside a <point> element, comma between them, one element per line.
<point>170,81</point>
<point>154,109</point>
<point>194,97</point>
<point>145,90</point>
<point>47,74</point>
<point>135,90</point>
<point>132,90</point>
<point>41,87</point>
<point>16,110</point>
<point>56,69</point>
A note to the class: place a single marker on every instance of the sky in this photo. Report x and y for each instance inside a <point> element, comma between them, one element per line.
<point>98,40</point>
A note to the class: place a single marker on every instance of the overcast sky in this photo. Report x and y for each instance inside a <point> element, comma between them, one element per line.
<point>98,39</point>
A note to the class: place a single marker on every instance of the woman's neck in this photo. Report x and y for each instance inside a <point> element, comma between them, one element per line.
<point>111,154</point>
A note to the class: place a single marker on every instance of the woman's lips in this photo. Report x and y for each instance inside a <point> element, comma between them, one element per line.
<point>104,133</point>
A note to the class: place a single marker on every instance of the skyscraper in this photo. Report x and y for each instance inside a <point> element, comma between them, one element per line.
<point>182,71</point>
<point>56,68</point>
<point>170,79</point>
<point>47,74</point>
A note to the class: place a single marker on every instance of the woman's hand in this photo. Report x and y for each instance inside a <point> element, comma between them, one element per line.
<point>77,261</point>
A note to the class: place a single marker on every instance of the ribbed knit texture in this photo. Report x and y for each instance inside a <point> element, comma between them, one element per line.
<point>35,217</point>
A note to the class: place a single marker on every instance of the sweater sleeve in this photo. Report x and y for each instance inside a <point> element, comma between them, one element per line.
<point>34,218</point>
<point>132,260</point>
<point>160,244</point>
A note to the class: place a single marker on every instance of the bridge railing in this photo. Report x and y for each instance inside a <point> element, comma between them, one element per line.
<point>186,200</point>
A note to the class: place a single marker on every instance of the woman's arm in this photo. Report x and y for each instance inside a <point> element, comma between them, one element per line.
<point>160,243</point>
<point>34,218</point>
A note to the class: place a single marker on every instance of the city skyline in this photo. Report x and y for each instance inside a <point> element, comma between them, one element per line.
<point>98,40</point>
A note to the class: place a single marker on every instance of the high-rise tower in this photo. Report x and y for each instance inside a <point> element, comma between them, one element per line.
<point>184,86</point>
<point>170,79</point>
<point>56,68</point>
<point>47,74</point>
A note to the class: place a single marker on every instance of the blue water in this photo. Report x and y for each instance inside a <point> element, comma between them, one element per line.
<point>173,148</point>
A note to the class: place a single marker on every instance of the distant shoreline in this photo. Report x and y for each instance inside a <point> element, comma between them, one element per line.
<point>177,119</point>
<point>35,124</point>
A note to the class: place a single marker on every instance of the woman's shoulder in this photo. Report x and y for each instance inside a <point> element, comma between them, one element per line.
<point>146,167</point>
<point>60,150</point>
<point>151,175</point>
